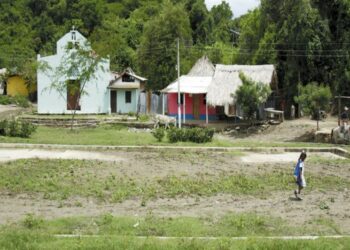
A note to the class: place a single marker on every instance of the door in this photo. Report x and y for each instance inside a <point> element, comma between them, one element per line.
<point>73,89</point>
<point>113,101</point>
<point>196,106</point>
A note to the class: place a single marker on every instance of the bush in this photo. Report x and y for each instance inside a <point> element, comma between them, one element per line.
<point>5,100</point>
<point>27,129</point>
<point>159,133</point>
<point>20,101</point>
<point>197,135</point>
<point>15,128</point>
<point>3,127</point>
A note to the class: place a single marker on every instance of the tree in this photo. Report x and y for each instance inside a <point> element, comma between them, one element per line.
<point>76,69</point>
<point>250,95</point>
<point>157,52</point>
<point>313,98</point>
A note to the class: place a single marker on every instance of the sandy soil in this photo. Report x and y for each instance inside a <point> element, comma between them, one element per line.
<point>150,165</point>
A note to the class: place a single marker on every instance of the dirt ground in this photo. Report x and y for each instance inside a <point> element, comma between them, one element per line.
<point>299,130</point>
<point>143,166</point>
<point>7,111</point>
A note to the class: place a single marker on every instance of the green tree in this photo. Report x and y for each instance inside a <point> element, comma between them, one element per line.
<point>313,98</point>
<point>76,69</point>
<point>250,95</point>
<point>157,51</point>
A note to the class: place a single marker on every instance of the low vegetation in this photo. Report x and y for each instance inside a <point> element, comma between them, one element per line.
<point>16,128</point>
<point>20,101</point>
<point>122,233</point>
<point>196,135</point>
<point>62,179</point>
<point>229,225</point>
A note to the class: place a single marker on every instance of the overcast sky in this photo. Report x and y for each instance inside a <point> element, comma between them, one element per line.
<point>239,7</point>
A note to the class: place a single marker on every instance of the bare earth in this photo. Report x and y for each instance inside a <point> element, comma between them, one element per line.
<point>150,165</point>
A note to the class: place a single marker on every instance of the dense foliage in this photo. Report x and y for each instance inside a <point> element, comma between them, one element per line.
<point>313,98</point>
<point>307,40</point>
<point>197,135</point>
<point>251,95</point>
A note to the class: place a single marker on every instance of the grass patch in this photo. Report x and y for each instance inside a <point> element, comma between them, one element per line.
<point>230,225</point>
<point>61,179</point>
<point>119,135</point>
<point>121,232</point>
<point>27,240</point>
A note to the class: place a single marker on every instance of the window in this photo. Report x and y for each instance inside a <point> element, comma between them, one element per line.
<point>127,96</point>
<point>205,99</point>
<point>128,78</point>
<point>181,98</point>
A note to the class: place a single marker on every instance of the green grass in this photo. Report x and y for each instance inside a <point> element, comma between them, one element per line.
<point>122,232</point>
<point>229,225</point>
<point>61,179</point>
<point>119,135</point>
<point>27,240</point>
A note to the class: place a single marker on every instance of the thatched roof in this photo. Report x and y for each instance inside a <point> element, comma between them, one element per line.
<point>226,81</point>
<point>203,67</point>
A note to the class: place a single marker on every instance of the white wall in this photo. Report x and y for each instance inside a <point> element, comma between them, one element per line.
<point>51,101</point>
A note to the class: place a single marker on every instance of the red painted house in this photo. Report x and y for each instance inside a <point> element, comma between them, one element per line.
<point>207,92</point>
<point>193,89</point>
<point>193,98</point>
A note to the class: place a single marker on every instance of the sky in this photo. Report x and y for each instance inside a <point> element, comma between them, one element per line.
<point>239,7</point>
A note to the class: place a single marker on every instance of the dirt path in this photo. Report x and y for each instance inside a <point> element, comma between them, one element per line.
<point>15,154</point>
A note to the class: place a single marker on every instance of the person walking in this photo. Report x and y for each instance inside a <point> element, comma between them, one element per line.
<point>299,175</point>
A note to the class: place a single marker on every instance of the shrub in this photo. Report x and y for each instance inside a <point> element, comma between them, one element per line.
<point>159,133</point>
<point>20,101</point>
<point>14,128</point>
<point>5,100</point>
<point>3,127</point>
<point>175,134</point>
<point>27,129</point>
<point>197,135</point>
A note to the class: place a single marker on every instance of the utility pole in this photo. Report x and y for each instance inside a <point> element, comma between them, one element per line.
<point>178,84</point>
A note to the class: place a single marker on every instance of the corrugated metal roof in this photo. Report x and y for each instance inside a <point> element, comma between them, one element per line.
<point>190,85</point>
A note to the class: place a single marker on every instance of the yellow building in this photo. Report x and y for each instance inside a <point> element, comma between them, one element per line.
<point>16,85</point>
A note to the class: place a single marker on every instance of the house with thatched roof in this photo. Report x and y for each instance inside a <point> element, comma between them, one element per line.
<point>226,81</point>
<point>193,89</point>
<point>207,91</point>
